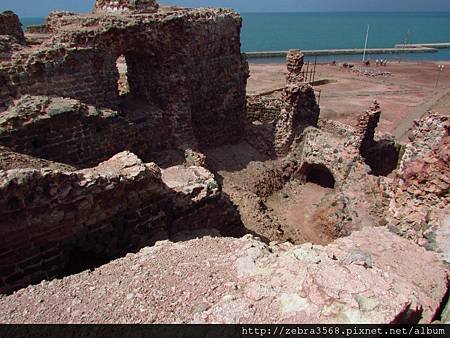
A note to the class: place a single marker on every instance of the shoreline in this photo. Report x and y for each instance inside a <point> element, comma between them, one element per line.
<point>281,60</point>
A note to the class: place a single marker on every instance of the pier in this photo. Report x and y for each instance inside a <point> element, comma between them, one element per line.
<point>355,51</point>
<point>439,45</point>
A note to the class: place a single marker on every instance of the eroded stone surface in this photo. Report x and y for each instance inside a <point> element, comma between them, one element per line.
<point>220,280</point>
<point>419,207</point>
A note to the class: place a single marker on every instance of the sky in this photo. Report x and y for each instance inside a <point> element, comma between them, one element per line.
<point>39,8</point>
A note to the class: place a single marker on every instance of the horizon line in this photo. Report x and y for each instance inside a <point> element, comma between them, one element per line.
<point>281,12</point>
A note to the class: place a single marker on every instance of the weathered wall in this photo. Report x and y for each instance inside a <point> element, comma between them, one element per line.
<point>65,130</point>
<point>10,25</point>
<point>274,122</point>
<point>263,108</point>
<point>50,220</point>
<point>419,192</point>
<point>321,148</point>
<point>381,155</point>
<point>80,73</point>
<point>177,60</point>
<point>10,159</point>
<point>367,124</point>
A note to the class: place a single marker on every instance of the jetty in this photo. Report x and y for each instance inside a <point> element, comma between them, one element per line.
<point>439,45</point>
<point>353,51</point>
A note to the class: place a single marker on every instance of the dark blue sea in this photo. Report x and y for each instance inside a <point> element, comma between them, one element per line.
<point>283,31</point>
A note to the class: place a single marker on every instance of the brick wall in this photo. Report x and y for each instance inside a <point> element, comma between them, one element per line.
<point>65,130</point>
<point>49,217</point>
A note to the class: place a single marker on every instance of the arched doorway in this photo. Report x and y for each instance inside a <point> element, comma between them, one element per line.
<point>318,174</point>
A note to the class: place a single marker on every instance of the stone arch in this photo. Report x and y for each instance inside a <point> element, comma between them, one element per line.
<point>318,174</point>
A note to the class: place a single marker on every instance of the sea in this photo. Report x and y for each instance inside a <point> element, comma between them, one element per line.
<point>308,31</point>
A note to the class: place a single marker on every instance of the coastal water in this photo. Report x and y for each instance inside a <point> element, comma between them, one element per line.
<point>283,31</point>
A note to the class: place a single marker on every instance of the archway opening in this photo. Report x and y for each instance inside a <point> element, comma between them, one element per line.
<point>318,174</point>
<point>123,86</point>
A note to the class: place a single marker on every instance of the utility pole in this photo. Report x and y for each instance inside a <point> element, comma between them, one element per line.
<point>441,68</point>
<point>365,45</point>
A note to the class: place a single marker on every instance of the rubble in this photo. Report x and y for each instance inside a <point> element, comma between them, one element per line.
<point>223,280</point>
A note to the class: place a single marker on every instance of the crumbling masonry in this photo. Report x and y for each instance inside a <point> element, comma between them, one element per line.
<point>131,125</point>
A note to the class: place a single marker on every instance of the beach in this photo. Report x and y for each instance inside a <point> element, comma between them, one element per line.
<point>404,95</point>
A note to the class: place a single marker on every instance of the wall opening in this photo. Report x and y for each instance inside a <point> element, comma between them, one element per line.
<point>144,76</point>
<point>382,157</point>
<point>318,174</point>
<point>122,84</point>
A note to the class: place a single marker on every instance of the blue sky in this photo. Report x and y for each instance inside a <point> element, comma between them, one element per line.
<point>38,8</point>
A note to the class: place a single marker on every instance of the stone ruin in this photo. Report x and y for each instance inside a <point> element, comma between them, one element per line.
<point>126,6</point>
<point>130,126</point>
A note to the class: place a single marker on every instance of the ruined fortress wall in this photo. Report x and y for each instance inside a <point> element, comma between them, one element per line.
<point>65,130</point>
<point>263,108</point>
<point>419,196</point>
<point>367,124</point>
<point>179,62</point>
<point>217,81</point>
<point>49,218</point>
<point>80,73</point>
<point>10,25</point>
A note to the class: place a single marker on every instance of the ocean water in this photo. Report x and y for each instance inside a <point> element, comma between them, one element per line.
<point>283,31</point>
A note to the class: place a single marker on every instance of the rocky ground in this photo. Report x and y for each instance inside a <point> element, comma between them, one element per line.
<point>222,280</point>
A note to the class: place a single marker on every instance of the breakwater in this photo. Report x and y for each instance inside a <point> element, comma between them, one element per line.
<point>350,51</point>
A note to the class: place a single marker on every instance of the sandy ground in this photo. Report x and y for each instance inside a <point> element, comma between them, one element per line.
<point>405,95</point>
<point>296,207</point>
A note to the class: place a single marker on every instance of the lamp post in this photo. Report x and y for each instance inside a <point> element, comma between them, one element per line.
<point>441,68</point>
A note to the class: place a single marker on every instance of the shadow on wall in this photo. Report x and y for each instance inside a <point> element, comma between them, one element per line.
<point>72,221</point>
<point>382,157</point>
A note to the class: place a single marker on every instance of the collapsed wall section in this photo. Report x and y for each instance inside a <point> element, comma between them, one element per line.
<point>419,206</point>
<point>355,279</point>
<point>276,120</point>
<point>55,223</point>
